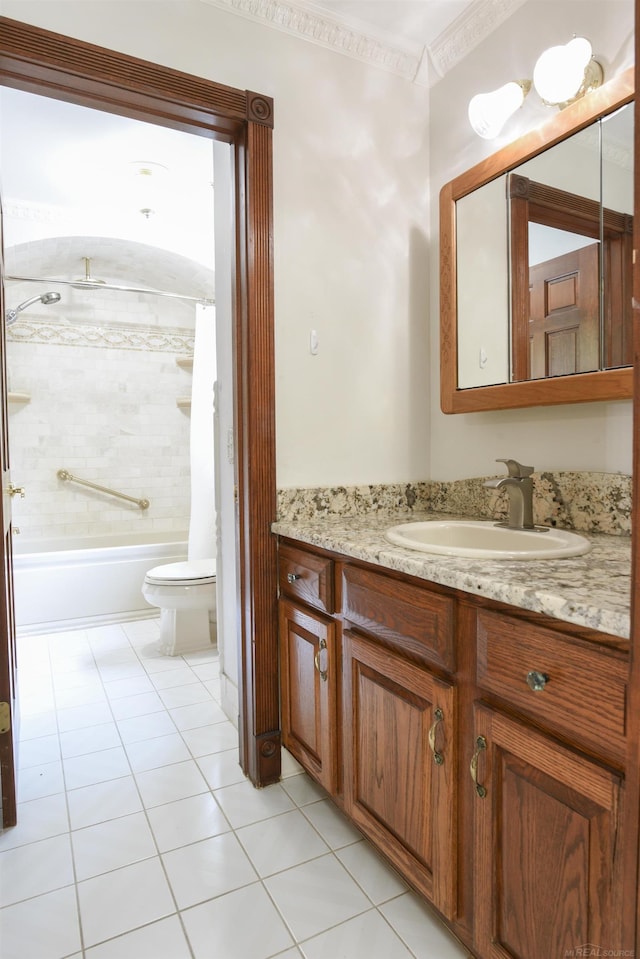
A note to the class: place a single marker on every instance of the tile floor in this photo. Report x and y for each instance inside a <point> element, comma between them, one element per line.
<point>139,837</point>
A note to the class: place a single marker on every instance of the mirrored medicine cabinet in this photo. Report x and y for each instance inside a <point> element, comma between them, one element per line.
<point>536,262</point>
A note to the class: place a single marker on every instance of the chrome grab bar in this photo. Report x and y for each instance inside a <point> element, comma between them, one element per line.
<point>66,475</point>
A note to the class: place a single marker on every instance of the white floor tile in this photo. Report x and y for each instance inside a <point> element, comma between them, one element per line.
<point>243,925</point>
<point>161,940</point>
<point>242,804</point>
<point>421,930</point>
<point>80,696</point>
<point>221,769</point>
<point>110,845</point>
<point>78,717</point>
<point>80,742</point>
<point>34,869</point>
<point>36,752</point>
<point>303,790</point>
<point>182,676</point>
<point>160,751</point>
<point>207,869</point>
<point>37,819</point>
<point>379,880</point>
<point>367,935</point>
<point>140,705</point>
<point>175,696</point>
<point>139,728</point>
<point>170,783</point>
<point>44,723</point>
<point>187,820</point>
<point>123,900</point>
<point>214,738</point>
<point>96,767</point>
<point>42,928</point>
<point>198,714</point>
<point>38,781</point>
<point>334,828</point>
<point>315,896</point>
<point>288,841</point>
<point>289,834</point>
<point>131,686</point>
<point>93,804</point>
<point>207,671</point>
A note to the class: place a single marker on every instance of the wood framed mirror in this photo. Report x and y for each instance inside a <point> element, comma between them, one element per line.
<point>519,328</point>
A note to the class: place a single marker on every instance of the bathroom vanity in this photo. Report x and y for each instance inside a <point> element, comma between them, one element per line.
<point>469,717</point>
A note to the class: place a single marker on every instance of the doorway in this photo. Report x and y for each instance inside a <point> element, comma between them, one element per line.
<point>81,73</point>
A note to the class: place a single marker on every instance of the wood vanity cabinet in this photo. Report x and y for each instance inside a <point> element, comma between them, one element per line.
<point>547,796</point>
<point>399,742</point>
<point>308,663</point>
<point>481,751</point>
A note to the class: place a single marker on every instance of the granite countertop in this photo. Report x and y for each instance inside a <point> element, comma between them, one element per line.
<point>593,590</point>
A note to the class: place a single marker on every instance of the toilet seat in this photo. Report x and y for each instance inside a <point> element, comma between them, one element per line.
<point>199,572</point>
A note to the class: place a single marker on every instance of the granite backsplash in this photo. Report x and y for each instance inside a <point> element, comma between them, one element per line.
<point>583,501</point>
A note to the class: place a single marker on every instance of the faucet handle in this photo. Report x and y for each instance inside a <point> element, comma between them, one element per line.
<point>517,469</point>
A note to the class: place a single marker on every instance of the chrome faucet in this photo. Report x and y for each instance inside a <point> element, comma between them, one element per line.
<point>519,487</point>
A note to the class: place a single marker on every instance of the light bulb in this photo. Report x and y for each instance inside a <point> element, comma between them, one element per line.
<point>488,112</point>
<point>562,73</point>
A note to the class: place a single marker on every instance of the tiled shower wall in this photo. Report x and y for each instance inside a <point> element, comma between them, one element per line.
<point>103,405</point>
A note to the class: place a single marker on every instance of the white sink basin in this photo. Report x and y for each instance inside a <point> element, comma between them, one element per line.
<point>485,540</point>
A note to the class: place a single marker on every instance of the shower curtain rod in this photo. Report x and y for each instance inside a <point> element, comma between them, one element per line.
<point>95,285</point>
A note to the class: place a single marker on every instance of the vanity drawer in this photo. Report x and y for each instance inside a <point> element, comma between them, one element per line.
<point>411,618</point>
<point>578,689</point>
<point>306,576</point>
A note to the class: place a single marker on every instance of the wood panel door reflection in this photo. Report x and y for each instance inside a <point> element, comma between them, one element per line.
<point>564,314</point>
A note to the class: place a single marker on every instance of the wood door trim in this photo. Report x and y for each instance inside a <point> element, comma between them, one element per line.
<point>54,65</point>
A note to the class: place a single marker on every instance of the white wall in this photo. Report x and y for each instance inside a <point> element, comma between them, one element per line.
<point>352,192</point>
<point>589,436</point>
<point>351,217</point>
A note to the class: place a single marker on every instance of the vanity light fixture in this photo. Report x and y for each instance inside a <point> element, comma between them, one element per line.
<point>488,112</point>
<point>563,74</point>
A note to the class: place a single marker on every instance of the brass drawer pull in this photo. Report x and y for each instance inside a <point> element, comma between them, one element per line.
<point>537,681</point>
<point>324,673</point>
<point>438,758</point>
<point>481,743</point>
<point>292,577</point>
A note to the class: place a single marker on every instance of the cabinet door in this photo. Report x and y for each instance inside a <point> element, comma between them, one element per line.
<point>308,691</point>
<point>547,847</point>
<point>399,763</point>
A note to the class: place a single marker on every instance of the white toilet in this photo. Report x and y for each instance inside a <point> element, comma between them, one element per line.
<point>185,594</point>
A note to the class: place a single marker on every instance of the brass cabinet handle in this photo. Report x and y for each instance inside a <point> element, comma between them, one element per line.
<point>15,490</point>
<point>481,743</point>
<point>292,577</point>
<point>537,681</point>
<point>438,758</point>
<point>324,673</point>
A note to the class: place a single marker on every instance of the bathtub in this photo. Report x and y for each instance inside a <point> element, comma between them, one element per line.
<point>87,580</point>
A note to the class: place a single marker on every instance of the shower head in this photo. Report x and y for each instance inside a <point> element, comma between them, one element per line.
<point>46,298</point>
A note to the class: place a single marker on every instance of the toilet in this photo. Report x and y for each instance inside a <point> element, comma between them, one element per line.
<point>185,594</point>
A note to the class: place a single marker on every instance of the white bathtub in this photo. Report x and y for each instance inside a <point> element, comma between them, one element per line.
<point>87,580</point>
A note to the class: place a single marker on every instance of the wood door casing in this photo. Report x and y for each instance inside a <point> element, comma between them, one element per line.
<point>547,846</point>
<point>393,789</point>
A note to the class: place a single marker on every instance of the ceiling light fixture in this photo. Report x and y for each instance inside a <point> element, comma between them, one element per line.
<point>488,112</point>
<point>563,74</point>
<point>148,183</point>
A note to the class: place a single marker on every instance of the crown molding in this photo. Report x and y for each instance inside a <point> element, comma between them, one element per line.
<point>354,39</point>
<point>325,30</point>
<point>468,30</point>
